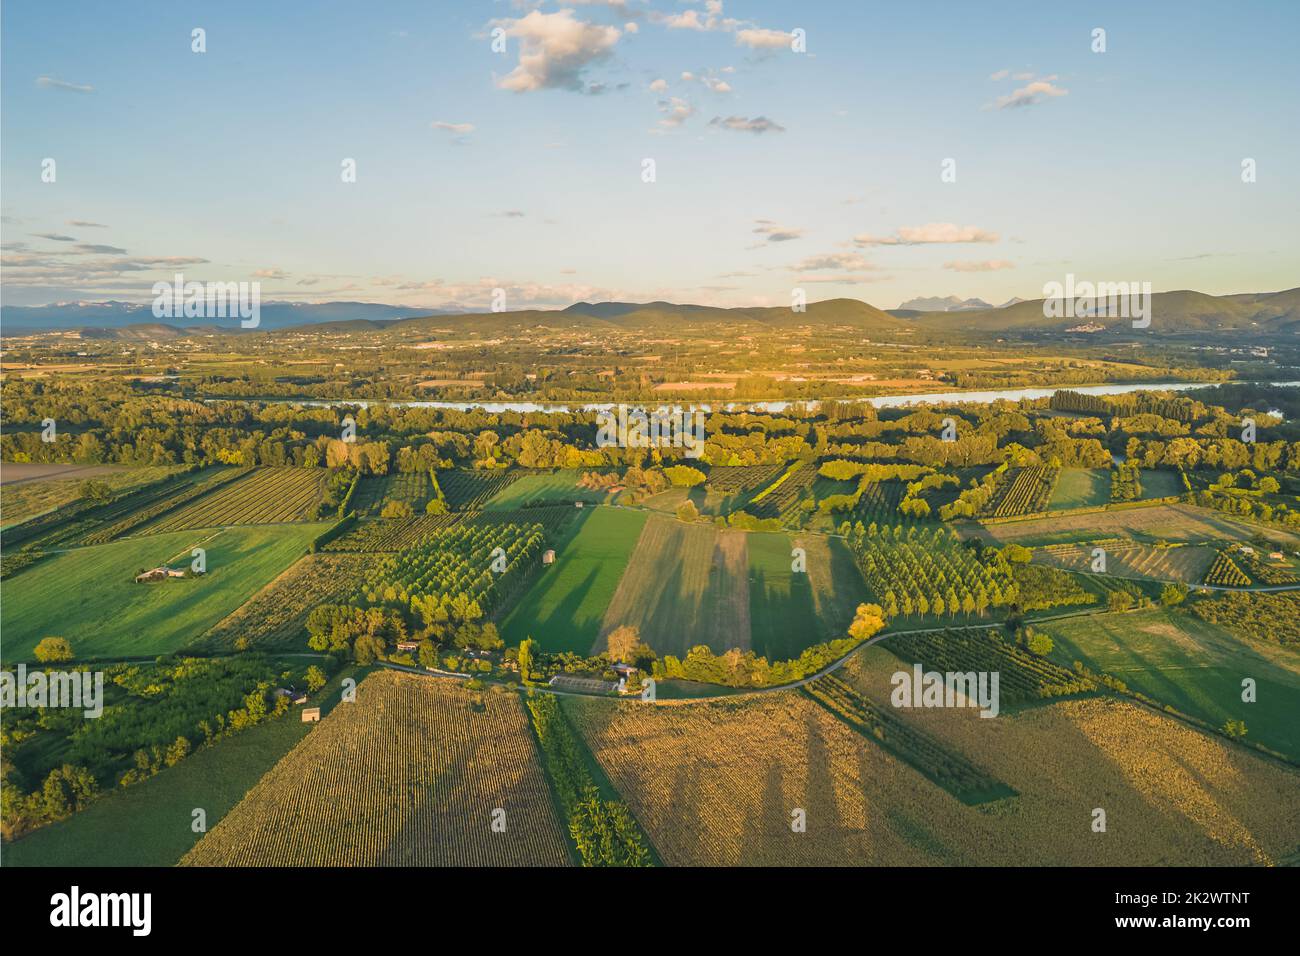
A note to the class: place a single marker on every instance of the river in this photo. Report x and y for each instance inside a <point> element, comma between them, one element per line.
<point>771,407</point>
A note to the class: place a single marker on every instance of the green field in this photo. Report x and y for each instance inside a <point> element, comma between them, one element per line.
<point>837,585</point>
<point>563,611</point>
<point>1081,488</point>
<point>89,595</point>
<point>782,613</point>
<point>1161,483</point>
<point>23,500</point>
<point>1191,665</point>
<point>684,585</point>
<point>557,486</point>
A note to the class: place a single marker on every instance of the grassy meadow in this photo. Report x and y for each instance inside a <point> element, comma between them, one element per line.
<point>1191,665</point>
<point>564,609</point>
<point>90,597</point>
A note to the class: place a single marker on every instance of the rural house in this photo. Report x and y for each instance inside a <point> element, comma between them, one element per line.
<point>158,574</point>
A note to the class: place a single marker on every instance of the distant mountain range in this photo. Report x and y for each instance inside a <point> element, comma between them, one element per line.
<point>1264,313</point>
<point>116,315</point>
<point>948,303</point>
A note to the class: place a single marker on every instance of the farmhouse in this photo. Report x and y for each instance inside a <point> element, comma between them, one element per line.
<point>158,574</point>
<point>408,645</point>
<point>310,715</point>
<point>548,556</point>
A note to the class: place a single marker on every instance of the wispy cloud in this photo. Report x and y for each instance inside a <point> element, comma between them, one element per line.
<point>460,129</point>
<point>743,124</point>
<point>758,39</point>
<point>934,232</point>
<point>985,265</point>
<point>50,83</point>
<point>1032,93</point>
<point>776,233</point>
<point>847,261</point>
<point>676,112</point>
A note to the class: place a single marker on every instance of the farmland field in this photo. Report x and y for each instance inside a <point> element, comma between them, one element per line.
<point>730,488</point>
<point>89,595</point>
<point>466,490</point>
<point>783,497</point>
<point>1173,795</point>
<point>392,535</point>
<point>412,488</point>
<point>264,496</point>
<point>565,607</point>
<point>1081,488</point>
<point>1192,665</point>
<point>148,824</point>
<point>22,498</point>
<point>1022,491</point>
<point>532,489</point>
<point>684,585</point>
<point>1174,523</point>
<point>1128,559</point>
<point>456,564</point>
<point>782,613</point>
<point>1161,483</point>
<point>1025,677</point>
<point>837,584</point>
<point>365,788</point>
<point>275,617</point>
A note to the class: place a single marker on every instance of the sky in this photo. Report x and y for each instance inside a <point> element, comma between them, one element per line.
<point>879,151</point>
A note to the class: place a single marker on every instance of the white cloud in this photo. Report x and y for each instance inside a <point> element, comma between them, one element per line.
<point>686,20</point>
<point>934,232</point>
<point>759,39</point>
<point>459,129</point>
<point>987,265</point>
<point>833,260</point>
<point>676,112</point>
<point>50,83</point>
<point>743,124</point>
<point>658,86</point>
<point>1030,94</point>
<point>555,49</point>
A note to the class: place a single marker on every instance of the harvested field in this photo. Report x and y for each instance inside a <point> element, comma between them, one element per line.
<point>408,775</point>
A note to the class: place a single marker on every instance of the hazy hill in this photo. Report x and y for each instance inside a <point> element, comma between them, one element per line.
<point>112,314</point>
<point>1179,311</point>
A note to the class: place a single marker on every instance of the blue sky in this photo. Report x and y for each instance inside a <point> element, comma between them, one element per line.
<point>522,170</point>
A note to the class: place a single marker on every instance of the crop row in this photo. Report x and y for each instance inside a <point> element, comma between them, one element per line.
<point>1022,676</point>
<point>910,744</point>
<point>468,490</point>
<point>264,496</point>
<point>417,772</point>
